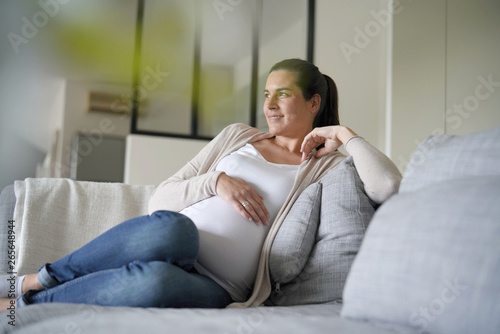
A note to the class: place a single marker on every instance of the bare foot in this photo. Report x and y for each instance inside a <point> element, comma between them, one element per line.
<point>7,304</point>
<point>31,283</point>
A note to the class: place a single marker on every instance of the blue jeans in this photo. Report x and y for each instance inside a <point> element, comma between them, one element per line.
<point>145,262</point>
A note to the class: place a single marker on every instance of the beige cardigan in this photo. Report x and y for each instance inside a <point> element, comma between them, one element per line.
<point>197,181</point>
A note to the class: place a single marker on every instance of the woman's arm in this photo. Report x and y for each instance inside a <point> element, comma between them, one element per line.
<point>199,180</point>
<point>189,185</point>
<point>380,176</point>
<point>194,182</point>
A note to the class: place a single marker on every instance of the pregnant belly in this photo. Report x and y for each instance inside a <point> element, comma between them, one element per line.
<point>230,245</point>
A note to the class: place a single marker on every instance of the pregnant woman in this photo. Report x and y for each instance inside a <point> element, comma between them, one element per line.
<point>210,229</point>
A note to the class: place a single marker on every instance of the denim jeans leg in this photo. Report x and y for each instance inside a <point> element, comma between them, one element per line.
<point>138,284</point>
<point>163,236</point>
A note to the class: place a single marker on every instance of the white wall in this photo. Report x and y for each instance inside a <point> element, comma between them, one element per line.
<point>356,62</point>
<point>151,159</point>
<point>31,107</point>
<point>444,55</point>
<point>33,72</point>
<point>472,58</point>
<point>418,79</point>
<point>31,99</point>
<point>426,73</point>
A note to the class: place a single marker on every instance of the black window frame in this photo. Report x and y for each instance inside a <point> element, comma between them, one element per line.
<point>141,4</point>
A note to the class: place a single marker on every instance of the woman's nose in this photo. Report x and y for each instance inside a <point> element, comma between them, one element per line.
<point>270,103</point>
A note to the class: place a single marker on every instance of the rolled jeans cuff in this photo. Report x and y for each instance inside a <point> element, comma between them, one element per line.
<point>23,299</point>
<point>45,279</point>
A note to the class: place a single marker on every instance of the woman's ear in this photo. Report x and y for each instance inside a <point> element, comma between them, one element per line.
<point>315,103</point>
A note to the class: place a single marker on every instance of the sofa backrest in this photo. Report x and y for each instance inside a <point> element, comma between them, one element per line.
<point>430,260</point>
<point>56,216</point>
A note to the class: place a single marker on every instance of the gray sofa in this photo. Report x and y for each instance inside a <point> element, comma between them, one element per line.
<point>426,261</point>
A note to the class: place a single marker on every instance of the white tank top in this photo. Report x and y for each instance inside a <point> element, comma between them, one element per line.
<point>230,245</point>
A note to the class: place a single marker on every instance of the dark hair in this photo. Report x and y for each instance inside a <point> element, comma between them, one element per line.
<point>310,80</point>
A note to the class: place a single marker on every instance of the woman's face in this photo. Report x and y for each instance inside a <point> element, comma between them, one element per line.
<point>287,112</point>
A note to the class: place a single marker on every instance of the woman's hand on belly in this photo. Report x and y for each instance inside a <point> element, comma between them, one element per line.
<point>243,198</point>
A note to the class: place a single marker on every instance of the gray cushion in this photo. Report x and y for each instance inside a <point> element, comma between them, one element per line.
<point>430,260</point>
<point>345,213</point>
<point>441,158</point>
<point>7,204</point>
<point>294,241</point>
<point>50,318</point>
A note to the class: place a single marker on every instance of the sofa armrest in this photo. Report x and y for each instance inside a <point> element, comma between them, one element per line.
<point>7,204</point>
<point>54,217</point>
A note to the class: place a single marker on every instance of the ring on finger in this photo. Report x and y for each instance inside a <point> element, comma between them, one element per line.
<point>244,204</point>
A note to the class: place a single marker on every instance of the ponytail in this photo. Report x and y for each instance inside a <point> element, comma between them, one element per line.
<point>328,113</point>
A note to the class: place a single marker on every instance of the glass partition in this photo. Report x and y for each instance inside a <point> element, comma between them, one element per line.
<point>165,85</point>
<point>225,66</point>
<point>203,63</point>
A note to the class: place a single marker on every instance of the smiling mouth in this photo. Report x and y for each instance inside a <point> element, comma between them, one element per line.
<point>275,117</point>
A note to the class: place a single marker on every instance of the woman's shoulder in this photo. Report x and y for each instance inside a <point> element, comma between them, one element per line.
<point>240,127</point>
<point>240,130</point>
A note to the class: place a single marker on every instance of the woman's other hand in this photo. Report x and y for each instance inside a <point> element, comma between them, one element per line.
<point>332,136</point>
<point>243,197</point>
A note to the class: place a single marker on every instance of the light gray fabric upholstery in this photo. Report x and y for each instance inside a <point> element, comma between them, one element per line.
<point>7,204</point>
<point>345,213</point>
<point>57,216</point>
<point>430,260</point>
<point>441,158</point>
<point>86,319</point>
<point>295,239</point>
